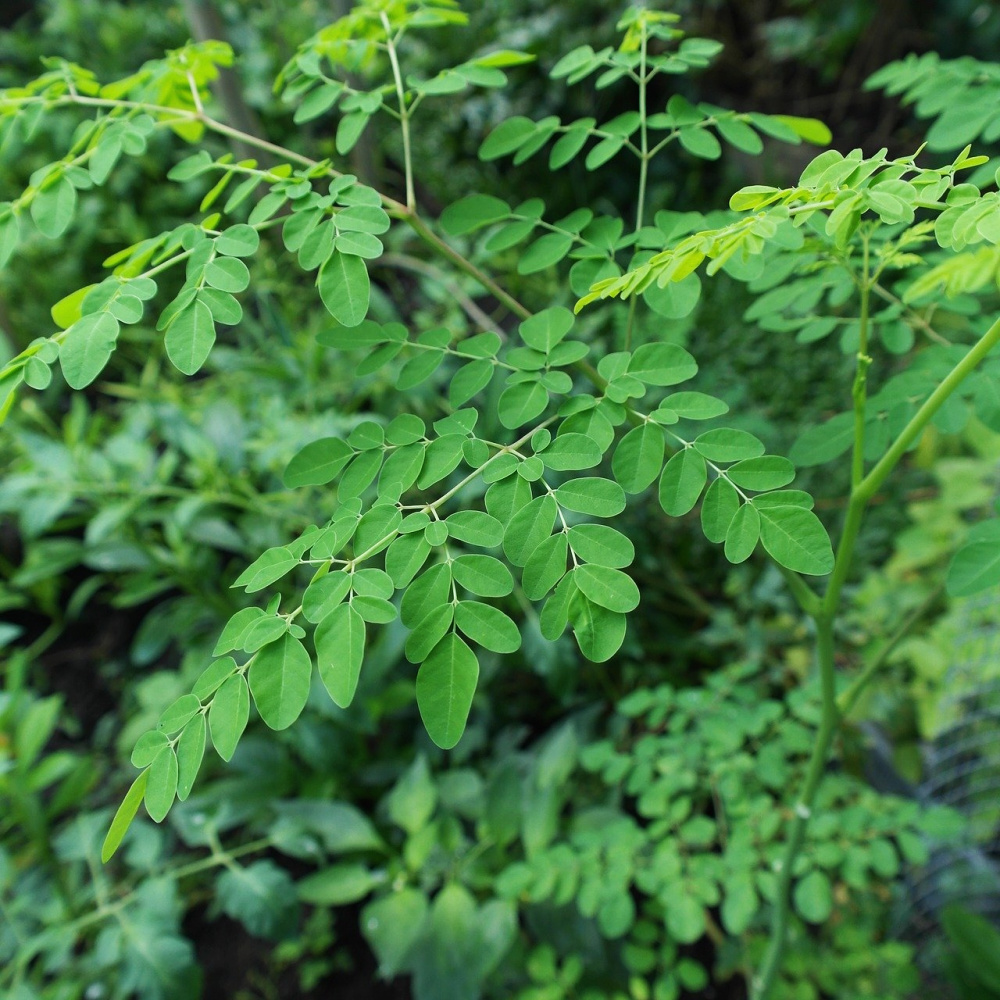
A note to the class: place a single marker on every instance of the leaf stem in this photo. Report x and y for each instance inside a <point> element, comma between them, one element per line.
<point>860,388</point>
<point>428,235</point>
<point>644,157</point>
<point>404,112</point>
<point>849,697</point>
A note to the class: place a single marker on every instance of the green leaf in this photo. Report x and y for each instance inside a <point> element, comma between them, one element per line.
<point>592,495</point>
<point>367,218</point>
<point>405,429</point>
<point>743,534</point>
<point>366,435</point>
<point>279,679</point>
<point>392,925</point>
<point>337,885</point>
<point>53,207</point>
<point>510,235</point>
<point>603,151</point>
<point>544,252</point>
<point>473,212</point>
<point>975,566</point>
<point>161,784</point>
<point>418,369</point>
<point>376,530</point>
<point>521,403</point>
<point>724,444</point>
<point>475,527</point>
<point>683,479</point>
<point>810,129</point>
<point>123,817</point>
<point>177,715</point>
<point>662,364</point>
<point>344,288</point>
<point>488,626</point>
<point>504,499</point>
<point>528,528</point>
<point>567,146</point>
<point>571,452</point>
<point>796,539</point>
<point>507,138</point>
<point>783,498</point>
<point>546,328</point>
<point>228,274</point>
<point>375,610</point>
<point>227,718</point>
<point>87,347</point>
<point>318,463</point>
<point>639,458</point>
<point>977,943</point>
<point>599,632</point>
<point>483,576</point>
<point>442,457</point>
<point>737,133</point>
<point>428,591</point>
<point>224,307</point>
<point>191,167</point>
<point>190,752</point>
<point>37,374</point>
<point>372,582</point>
<point>685,917</point>
<point>769,472</point>
<point>349,130</point>
<point>402,468</point>
<point>190,337</point>
<point>10,232</point>
<point>147,747</point>
<point>317,102</point>
<point>232,638</point>
<point>813,897</point>
<point>428,632</point>
<point>406,557</point>
<point>325,594</point>
<point>601,545</point>
<point>340,650</point>
<point>261,896</point>
<point>272,565</point>
<point>610,588</point>
<point>718,509</point>
<point>446,683</point>
<point>700,142</point>
<point>694,405</point>
<point>739,904</point>
<point>545,567</point>
<point>360,244</point>
<point>821,444</point>
<point>360,474</point>
<point>469,380</point>
<point>69,309</point>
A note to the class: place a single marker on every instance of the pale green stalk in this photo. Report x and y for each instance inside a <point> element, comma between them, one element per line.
<point>861,494</point>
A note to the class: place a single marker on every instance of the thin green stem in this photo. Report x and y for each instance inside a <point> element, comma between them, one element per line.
<point>914,317</point>
<point>629,322</point>
<point>989,340</point>
<point>463,264</point>
<point>849,697</point>
<point>640,210</point>
<point>859,391</point>
<point>404,113</point>
<point>806,598</point>
<point>763,982</point>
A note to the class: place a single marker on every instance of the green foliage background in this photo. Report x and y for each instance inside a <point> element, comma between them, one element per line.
<point>601,831</point>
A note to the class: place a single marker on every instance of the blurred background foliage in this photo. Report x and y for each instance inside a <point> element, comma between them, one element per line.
<point>348,856</point>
